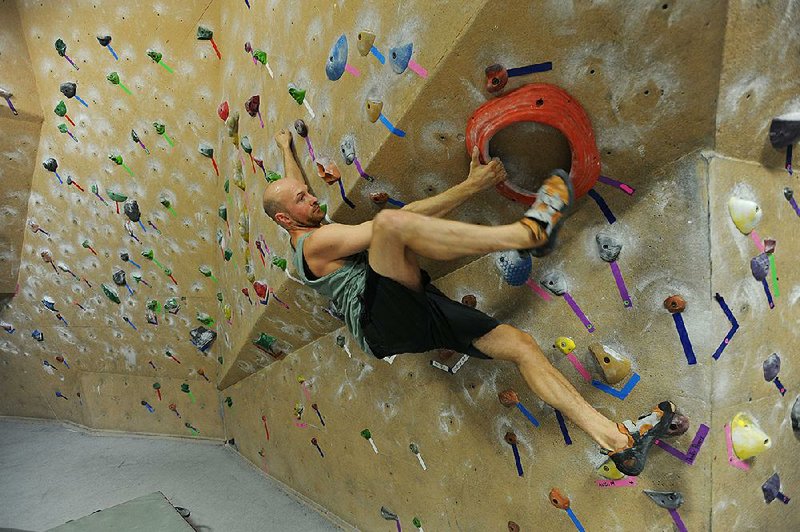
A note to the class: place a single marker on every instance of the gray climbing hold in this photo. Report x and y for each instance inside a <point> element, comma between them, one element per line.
<point>771,488</point>
<point>68,89</point>
<point>348,151</point>
<point>388,514</point>
<point>671,500</point>
<point>759,266</point>
<point>132,210</point>
<point>50,164</point>
<point>119,278</point>
<point>795,415</point>
<point>608,246</point>
<point>784,130</point>
<point>104,40</point>
<point>772,365</point>
<point>301,128</point>
<point>554,283</point>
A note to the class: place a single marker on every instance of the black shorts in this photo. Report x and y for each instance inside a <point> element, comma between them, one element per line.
<point>396,319</point>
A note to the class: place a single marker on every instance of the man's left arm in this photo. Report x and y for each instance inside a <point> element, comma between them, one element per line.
<point>481,177</point>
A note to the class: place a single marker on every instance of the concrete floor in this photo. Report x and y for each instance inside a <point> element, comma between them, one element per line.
<point>51,473</point>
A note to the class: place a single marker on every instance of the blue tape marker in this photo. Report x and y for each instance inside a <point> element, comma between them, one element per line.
<point>390,126</point>
<point>81,100</point>
<point>769,294</point>
<point>530,69</point>
<point>780,386</point>
<point>517,460</point>
<point>528,414</point>
<point>59,178</point>
<point>112,52</point>
<point>575,521</point>
<point>687,344</point>
<point>619,394</point>
<point>734,327</point>
<point>396,203</point>
<point>603,205</point>
<point>378,55</point>
<point>563,426</point>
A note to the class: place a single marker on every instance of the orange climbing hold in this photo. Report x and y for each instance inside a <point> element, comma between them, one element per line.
<point>545,104</point>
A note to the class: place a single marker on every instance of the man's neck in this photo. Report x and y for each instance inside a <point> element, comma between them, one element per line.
<point>296,232</point>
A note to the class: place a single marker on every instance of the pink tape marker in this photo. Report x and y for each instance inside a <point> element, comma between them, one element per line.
<point>757,240</point>
<point>300,425</point>
<point>582,370</point>
<point>621,483</point>
<point>417,68</point>
<point>732,460</point>
<point>538,290</point>
<point>350,69</point>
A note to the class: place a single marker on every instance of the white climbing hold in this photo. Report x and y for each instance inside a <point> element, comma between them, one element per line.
<point>745,214</point>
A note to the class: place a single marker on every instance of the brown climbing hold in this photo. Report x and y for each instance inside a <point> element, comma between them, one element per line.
<point>328,170</point>
<point>365,41</point>
<point>469,300</point>
<point>615,367</point>
<point>679,425</point>
<point>675,304</point>
<point>513,527</point>
<point>379,198</point>
<point>508,397</point>
<point>769,246</point>
<point>558,499</point>
<point>496,78</point>
<point>510,438</point>
<point>374,108</point>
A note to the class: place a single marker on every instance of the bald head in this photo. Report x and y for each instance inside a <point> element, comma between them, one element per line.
<point>291,205</point>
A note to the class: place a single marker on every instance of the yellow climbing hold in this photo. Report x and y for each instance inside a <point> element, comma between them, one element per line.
<point>565,345</point>
<point>609,470</point>
<point>745,214</point>
<point>748,439</point>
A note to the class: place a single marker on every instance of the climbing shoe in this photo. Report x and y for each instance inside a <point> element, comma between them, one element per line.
<point>641,435</point>
<point>545,217</point>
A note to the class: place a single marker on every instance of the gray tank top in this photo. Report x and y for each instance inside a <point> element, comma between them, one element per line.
<point>343,287</point>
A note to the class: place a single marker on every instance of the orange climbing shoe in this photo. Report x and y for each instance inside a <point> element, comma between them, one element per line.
<point>545,217</point>
<point>641,435</point>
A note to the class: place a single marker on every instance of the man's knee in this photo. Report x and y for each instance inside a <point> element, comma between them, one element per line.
<point>390,221</point>
<point>515,345</point>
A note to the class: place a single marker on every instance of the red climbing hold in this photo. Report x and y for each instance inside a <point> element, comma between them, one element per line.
<point>545,104</point>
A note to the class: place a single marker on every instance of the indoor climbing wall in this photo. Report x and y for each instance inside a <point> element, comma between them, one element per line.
<point>656,292</point>
<point>119,220</point>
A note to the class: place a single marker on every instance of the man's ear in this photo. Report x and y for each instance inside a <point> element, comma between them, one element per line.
<point>283,219</point>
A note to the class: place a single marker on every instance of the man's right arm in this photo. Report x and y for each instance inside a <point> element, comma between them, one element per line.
<point>333,242</point>
<point>291,168</point>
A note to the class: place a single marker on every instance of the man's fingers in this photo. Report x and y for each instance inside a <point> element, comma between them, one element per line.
<point>475,157</point>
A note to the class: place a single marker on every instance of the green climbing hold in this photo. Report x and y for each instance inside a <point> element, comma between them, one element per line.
<point>223,212</point>
<point>62,128</point>
<point>220,360</point>
<point>61,47</point>
<point>134,136</point>
<point>115,157</point>
<point>116,196</point>
<point>155,56</point>
<point>110,293</point>
<point>227,185</point>
<point>159,127</point>
<point>95,190</point>
<point>366,434</point>
<point>324,208</point>
<point>272,176</point>
<point>298,94</point>
<point>264,341</point>
<point>228,254</point>
<point>206,150</point>
<point>148,254</point>
<point>166,203</point>
<point>229,401</point>
<point>204,34</point>
<point>113,77</point>
<point>205,319</point>
<point>171,305</point>
<point>219,297</point>
<point>245,143</point>
<point>61,109</point>
<point>417,523</point>
<point>279,262</point>
<point>261,56</point>
<point>185,388</point>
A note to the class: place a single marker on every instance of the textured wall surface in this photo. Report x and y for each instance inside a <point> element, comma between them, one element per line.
<point>680,96</point>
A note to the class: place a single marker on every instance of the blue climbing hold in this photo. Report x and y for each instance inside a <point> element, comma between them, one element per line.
<point>337,59</point>
<point>399,57</point>
<point>515,267</point>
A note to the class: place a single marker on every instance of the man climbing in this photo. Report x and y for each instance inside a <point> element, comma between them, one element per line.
<point>370,271</point>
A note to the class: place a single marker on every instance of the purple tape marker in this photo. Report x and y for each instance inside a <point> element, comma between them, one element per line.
<point>788,193</point>
<point>310,149</point>
<point>694,448</point>
<point>627,189</point>
<point>603,205</point>
<point>623,290</point>
<point>578,312</point>
<point>678,520</point>
<point>361,171</point>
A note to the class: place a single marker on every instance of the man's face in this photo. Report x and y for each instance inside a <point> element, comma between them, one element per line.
<point>300,207</point>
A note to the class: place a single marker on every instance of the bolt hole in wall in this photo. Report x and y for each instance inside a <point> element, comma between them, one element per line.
<point>530,151</point>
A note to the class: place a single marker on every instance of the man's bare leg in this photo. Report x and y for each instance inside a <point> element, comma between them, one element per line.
<point>509,343</point>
